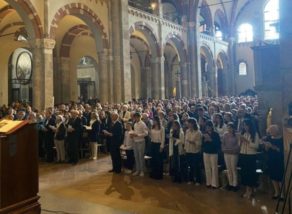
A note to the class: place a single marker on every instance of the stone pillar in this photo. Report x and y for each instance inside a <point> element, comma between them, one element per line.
<point>43,87</point>
<point>184,79</point>
<point>285,52</point>
<point>65,80</point>
<point>155,69</point>
<point>194,58</point>
<point>110,88</point>
<point>231,90</point>
<point>121,51</point>
<point>117,49</point>
<point>125,54</point>
<point>161,78</point>
<point>148,82</point>
<point>214,85</point>
<point>157,83</point>
<point>103,76</point>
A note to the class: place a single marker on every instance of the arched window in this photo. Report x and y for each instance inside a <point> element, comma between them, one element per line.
<point>242,69</point>
<point>245,33</point>
<point>271,19</point>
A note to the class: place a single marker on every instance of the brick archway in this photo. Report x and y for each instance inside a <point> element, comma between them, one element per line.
<point>77,30</point>
<point>87,15</point>
<point>179,44</point>
<point>27,12</point>
<point>150,36</point>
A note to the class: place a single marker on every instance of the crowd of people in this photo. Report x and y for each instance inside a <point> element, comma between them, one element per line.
<point>192,140</point>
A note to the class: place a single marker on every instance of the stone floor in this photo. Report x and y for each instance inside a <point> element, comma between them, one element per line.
<point>87,188</point>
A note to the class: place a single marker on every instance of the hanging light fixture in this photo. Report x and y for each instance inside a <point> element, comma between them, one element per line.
<point>153,5</point>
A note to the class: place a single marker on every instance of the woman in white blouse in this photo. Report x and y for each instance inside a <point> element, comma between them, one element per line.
<point>249,143</point>
<point>193,144</point>
<point>157,135</point>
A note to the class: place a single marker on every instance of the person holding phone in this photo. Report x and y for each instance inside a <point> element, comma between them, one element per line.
<point>274,146</point>
<point>249,143</point>
<point>230,148</point>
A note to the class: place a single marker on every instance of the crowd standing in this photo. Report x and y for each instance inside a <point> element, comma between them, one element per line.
<point>192,140</point>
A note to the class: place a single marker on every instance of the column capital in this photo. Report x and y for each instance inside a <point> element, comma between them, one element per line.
<point>45,43</point>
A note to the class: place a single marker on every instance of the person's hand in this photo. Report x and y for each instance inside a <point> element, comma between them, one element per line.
<point>70,129</point>
<point>161,149</point>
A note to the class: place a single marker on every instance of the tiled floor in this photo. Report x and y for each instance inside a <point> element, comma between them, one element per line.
<point>88,188</point>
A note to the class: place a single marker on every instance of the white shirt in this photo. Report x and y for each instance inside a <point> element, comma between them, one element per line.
<point>250,147</point>
<point>141,130</point>
<point>193,141</point>
<point>128,141</point>
<point>158,136</point>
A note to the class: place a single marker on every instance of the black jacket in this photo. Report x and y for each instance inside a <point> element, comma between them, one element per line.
<point>61,132</point>
<point>212,147</point>
<point>117,131</point>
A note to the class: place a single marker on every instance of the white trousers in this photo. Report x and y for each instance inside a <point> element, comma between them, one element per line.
<point>93,150</point>
<point>211,169</point>
<point>139,151</point>
<point>231,166</point>
<point>60,148</point>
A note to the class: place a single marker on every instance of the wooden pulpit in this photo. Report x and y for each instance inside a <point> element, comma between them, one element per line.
<point>18,168</point>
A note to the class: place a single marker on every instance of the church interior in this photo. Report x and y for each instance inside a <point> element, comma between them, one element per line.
<point>63,57</point>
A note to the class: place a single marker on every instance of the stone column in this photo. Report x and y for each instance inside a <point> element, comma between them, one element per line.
<point>43,87</point>
<point>110,62</point>
<point>127,93</point>
<point>121,51</point>
<point>155,69</point>
<point>148,82</point>
<point>157,83</point>
<point>103,76</point>
<point>231,90</point>
<point>65,79</point>
<point>214,79</point>
<point>194,58</point>
<point>285,52</point>
<point>184,79</point>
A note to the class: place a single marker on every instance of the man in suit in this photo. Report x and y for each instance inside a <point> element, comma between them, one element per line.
<point>49,125</point>
<point>115,135</point>
<point>73,136</point>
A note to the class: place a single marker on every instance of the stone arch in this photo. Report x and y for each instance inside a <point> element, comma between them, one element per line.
<point>88,16</point>
<point>221,19</point>
<point>148,32</point>
<point>181,62</point>
<point>4,28</point>
<point>223,76</point>
<point>179,44</point>
<point>205,11</point>
<point>88,85</point>
<point>69,37</point>
<point>209,82</point>
<point>153,73</point>
<point>29,15</point>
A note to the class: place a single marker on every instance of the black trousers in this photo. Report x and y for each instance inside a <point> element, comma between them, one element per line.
<point>248,170</point>
<point>49,144</point>
<point>73,150</point>
<point>116,158</point>
<point>129,163</point>
<point>194,161</point>
<point>156,161</point>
